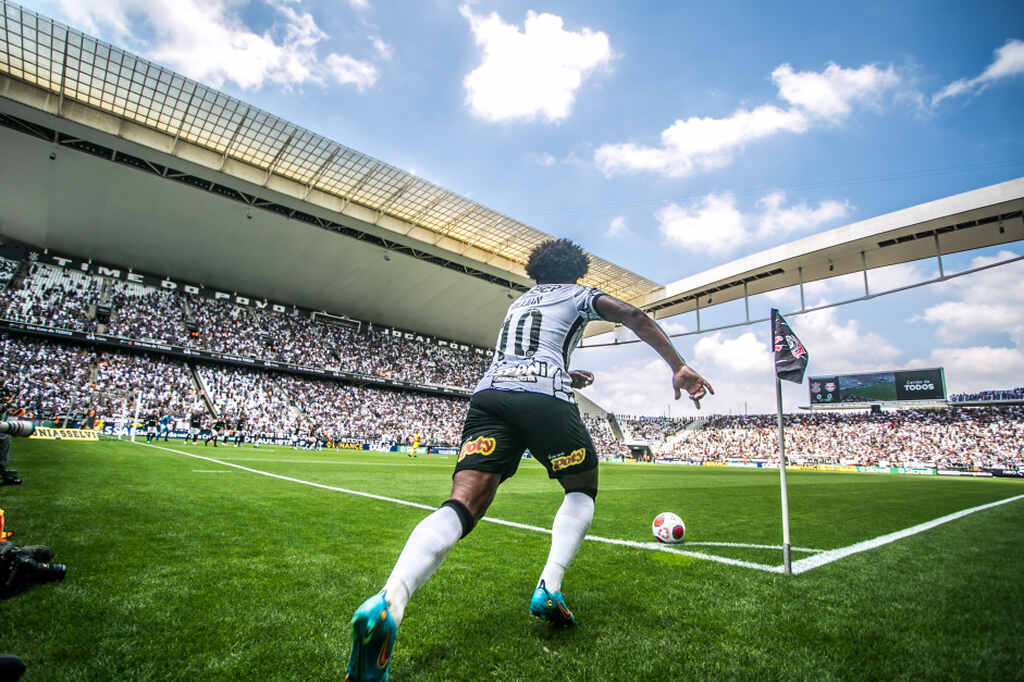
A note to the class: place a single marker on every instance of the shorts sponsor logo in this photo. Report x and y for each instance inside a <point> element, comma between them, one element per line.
<point>478,446</point>
<point>566,461</point>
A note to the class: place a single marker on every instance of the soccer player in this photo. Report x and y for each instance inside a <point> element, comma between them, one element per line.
<point>215,432</point>
<point>239,430</point>
<point>524,401</point>
<point>166,422</point>
<point>152,423</point>
<point>195,425</point>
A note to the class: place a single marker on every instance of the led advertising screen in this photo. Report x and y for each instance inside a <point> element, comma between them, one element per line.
<point>875,387</point>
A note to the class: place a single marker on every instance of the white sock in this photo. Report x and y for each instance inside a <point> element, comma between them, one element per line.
<point>423,554</point>
<point>567,533</point>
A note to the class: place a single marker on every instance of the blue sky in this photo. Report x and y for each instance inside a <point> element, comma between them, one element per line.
<point>668,137</point>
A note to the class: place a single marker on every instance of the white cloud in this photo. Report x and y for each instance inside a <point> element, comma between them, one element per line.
<point>383,49</point>
<point>831,93</point>
<point>976,368</point>
<point>990,301</point>
<point>533,72</point>
<point>740,354</point>
<point>617,227</point>
<point>706,143</point>
<point>347,70</point>
<point>208,41</point>
<point>778,220</point>
<point>986,302</point>
<point>359,4</point>
<point>1009,61</point>
<point>712,224</point>
<point>715,225</point>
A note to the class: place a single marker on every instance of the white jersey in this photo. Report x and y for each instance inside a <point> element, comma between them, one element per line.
<point>542,328</point>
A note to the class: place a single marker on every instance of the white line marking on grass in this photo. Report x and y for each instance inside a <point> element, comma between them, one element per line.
<point>800,566</point>
<point>804,565</point>
<point>745,545</point>
<point>501,522</point>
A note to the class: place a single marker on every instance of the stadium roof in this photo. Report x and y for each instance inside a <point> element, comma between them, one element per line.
<point>983,217</point>
<point>160,165</point>
<point>78,79</point>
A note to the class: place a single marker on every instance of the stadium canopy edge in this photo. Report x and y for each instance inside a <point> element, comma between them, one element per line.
<point>982,217</point>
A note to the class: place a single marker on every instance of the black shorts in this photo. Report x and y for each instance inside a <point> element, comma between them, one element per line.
<point>500,425</point>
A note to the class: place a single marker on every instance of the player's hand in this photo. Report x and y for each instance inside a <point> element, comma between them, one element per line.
<point>685,379</point>
<point>580,378</point>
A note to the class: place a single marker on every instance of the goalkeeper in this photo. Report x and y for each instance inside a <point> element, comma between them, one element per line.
<point>525,400</point>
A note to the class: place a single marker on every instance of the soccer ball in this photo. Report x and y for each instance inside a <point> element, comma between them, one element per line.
<point>669,528</point>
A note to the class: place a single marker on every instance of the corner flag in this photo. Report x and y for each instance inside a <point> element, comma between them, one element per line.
<point>790,364</point>
<point>790,355</point>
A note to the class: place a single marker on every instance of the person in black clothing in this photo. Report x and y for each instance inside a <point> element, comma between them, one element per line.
<point>152,426</point>
<point>239,431</point>
<point>218,429</point>
<point>195,424</point>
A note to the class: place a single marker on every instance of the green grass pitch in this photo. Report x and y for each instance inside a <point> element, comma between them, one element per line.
<point>184,569</point>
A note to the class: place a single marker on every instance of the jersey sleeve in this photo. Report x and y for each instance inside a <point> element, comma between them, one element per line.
<point>584,299</point>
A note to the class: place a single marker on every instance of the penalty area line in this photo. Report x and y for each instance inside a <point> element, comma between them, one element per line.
<point>650,546</point>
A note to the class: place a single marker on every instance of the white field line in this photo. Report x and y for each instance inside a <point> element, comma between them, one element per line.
<point>800,566</point>
<point>745,545</point>
<point>804,565</point>
<point>210,471</point>
<point>537,529</point>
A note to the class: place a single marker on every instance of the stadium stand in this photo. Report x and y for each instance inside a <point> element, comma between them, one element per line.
<point>984,396</point>
<point>51,296</point>
<point>653,430</point>
<point>953,437</point>
<point>604,439</point>
<point>7,269</point>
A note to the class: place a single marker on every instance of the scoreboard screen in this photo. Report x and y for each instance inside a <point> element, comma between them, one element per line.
<point>911,384</point>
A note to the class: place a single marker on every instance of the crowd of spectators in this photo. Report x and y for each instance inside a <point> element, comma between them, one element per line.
<point>374,414</point>
<point>51,380</point>
<point>166,385</point>
<point>653,430</point>
<point>999,394</point>
<point>605,442</point>
<point>141,312</point>
<point>7,269</point>
<point>51,296</point>
<point>945,438</point>
<point>45,378</point>
<point>48,295</point>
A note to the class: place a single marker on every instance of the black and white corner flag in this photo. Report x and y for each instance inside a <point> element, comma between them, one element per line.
<point>790,355</point>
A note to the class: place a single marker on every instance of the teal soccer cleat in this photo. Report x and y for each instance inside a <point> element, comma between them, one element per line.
<point>373,637</point>
<point>551,607</point>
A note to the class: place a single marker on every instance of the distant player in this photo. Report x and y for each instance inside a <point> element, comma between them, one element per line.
<point>216,431</point>
<point>152,426</point>
<point>524,400</point>
<point>166,422</point>
<point>195,425</point>
<point>239,430</point>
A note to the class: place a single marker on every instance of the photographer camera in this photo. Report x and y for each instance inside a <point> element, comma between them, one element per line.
<point>8,428</point>
<point>20,569</point>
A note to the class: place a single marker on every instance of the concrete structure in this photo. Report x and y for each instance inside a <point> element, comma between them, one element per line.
<point>112,157</point>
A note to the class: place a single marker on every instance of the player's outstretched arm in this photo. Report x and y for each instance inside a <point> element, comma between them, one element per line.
<point>683,378</point>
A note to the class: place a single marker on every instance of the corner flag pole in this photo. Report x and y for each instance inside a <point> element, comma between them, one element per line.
<point>782,480</point>
<point>790,364</point>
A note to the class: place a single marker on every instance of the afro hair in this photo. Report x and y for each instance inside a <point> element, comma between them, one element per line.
<point>557,261</point>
